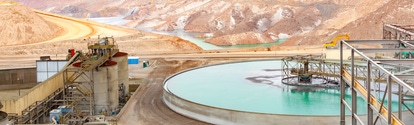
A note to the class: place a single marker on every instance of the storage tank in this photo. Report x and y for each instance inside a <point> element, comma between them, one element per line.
<point>106,88</point>
<point>123,75</point>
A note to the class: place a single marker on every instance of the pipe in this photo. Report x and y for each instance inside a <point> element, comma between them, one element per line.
<point>108,90</point>
<point>399,29</point>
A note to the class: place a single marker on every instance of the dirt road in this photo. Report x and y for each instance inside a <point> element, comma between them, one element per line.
<point>78,28</point>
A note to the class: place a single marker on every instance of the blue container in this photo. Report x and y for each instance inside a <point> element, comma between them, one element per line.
<point>55,113</point>
<point>133,60</point>
<point>65,109</point>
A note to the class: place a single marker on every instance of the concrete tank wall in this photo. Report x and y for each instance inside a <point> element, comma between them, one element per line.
<point>106,88</point>
<point>222,116</point>
<point>123,74</point>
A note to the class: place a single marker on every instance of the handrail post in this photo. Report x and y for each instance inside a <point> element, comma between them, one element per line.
<point>342,85</point>
<point>389,88</point>
<point>370,111</point>
<point>353,91</point>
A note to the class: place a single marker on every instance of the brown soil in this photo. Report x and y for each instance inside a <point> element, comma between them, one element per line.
<point>23,26</point>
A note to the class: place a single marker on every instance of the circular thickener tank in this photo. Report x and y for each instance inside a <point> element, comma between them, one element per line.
<point>106,88</point>
<point>3,118</point>
<point>123,75</point>
<point>252,93</point>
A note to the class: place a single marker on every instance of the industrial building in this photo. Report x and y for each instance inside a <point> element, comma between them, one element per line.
<point>89,86</point>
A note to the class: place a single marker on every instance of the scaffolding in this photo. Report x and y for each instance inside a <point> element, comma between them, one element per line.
<point>398,32</point>
<point>327,69</point>
<point>397,83</point>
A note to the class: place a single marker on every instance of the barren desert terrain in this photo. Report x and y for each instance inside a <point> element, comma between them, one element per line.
<point>53,27</point>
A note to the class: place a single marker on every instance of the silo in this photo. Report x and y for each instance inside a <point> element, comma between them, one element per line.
<point>123,75</point>
<point>106,88</point>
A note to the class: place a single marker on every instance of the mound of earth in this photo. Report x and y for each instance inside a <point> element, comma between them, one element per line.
<point>20,25</point>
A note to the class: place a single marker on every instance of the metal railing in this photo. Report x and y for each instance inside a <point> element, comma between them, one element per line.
<point>379,104</point>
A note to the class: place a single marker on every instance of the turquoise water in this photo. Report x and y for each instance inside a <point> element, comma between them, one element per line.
<point>228,86</point>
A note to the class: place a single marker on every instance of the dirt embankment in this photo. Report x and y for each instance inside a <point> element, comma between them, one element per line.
<point>134,44</point>
<point>20,25</point>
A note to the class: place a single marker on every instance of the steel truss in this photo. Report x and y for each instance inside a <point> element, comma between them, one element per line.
<point>327,69</point>
<point>391,31</point>
<point>397,74</point>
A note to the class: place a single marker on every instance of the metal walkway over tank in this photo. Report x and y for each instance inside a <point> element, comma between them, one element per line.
<point>296,67</point>
<point>375,79</point>
<point>398,85</point>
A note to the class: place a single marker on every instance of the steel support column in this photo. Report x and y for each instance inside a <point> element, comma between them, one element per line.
<point>342,85</point>
<point>389,88</point>
<point>370,113</point>
<point>353,92</point>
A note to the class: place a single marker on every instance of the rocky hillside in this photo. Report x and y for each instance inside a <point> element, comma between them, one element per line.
<point>23,26</point>
<point>363,25</point>
<point>230,22</point>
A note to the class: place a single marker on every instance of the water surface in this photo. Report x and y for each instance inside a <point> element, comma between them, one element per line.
<point>256,87</point>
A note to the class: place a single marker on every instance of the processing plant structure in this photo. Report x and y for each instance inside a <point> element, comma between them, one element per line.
<point>89,88</point>
<point>92,85</point>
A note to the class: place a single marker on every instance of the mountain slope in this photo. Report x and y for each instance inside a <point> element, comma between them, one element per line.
<point>239,21</point>
<point>368,26</point>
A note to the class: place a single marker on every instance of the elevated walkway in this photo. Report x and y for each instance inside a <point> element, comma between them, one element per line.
<point>398,81</point>
<point>372,99</point>
<point>375,80</point>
